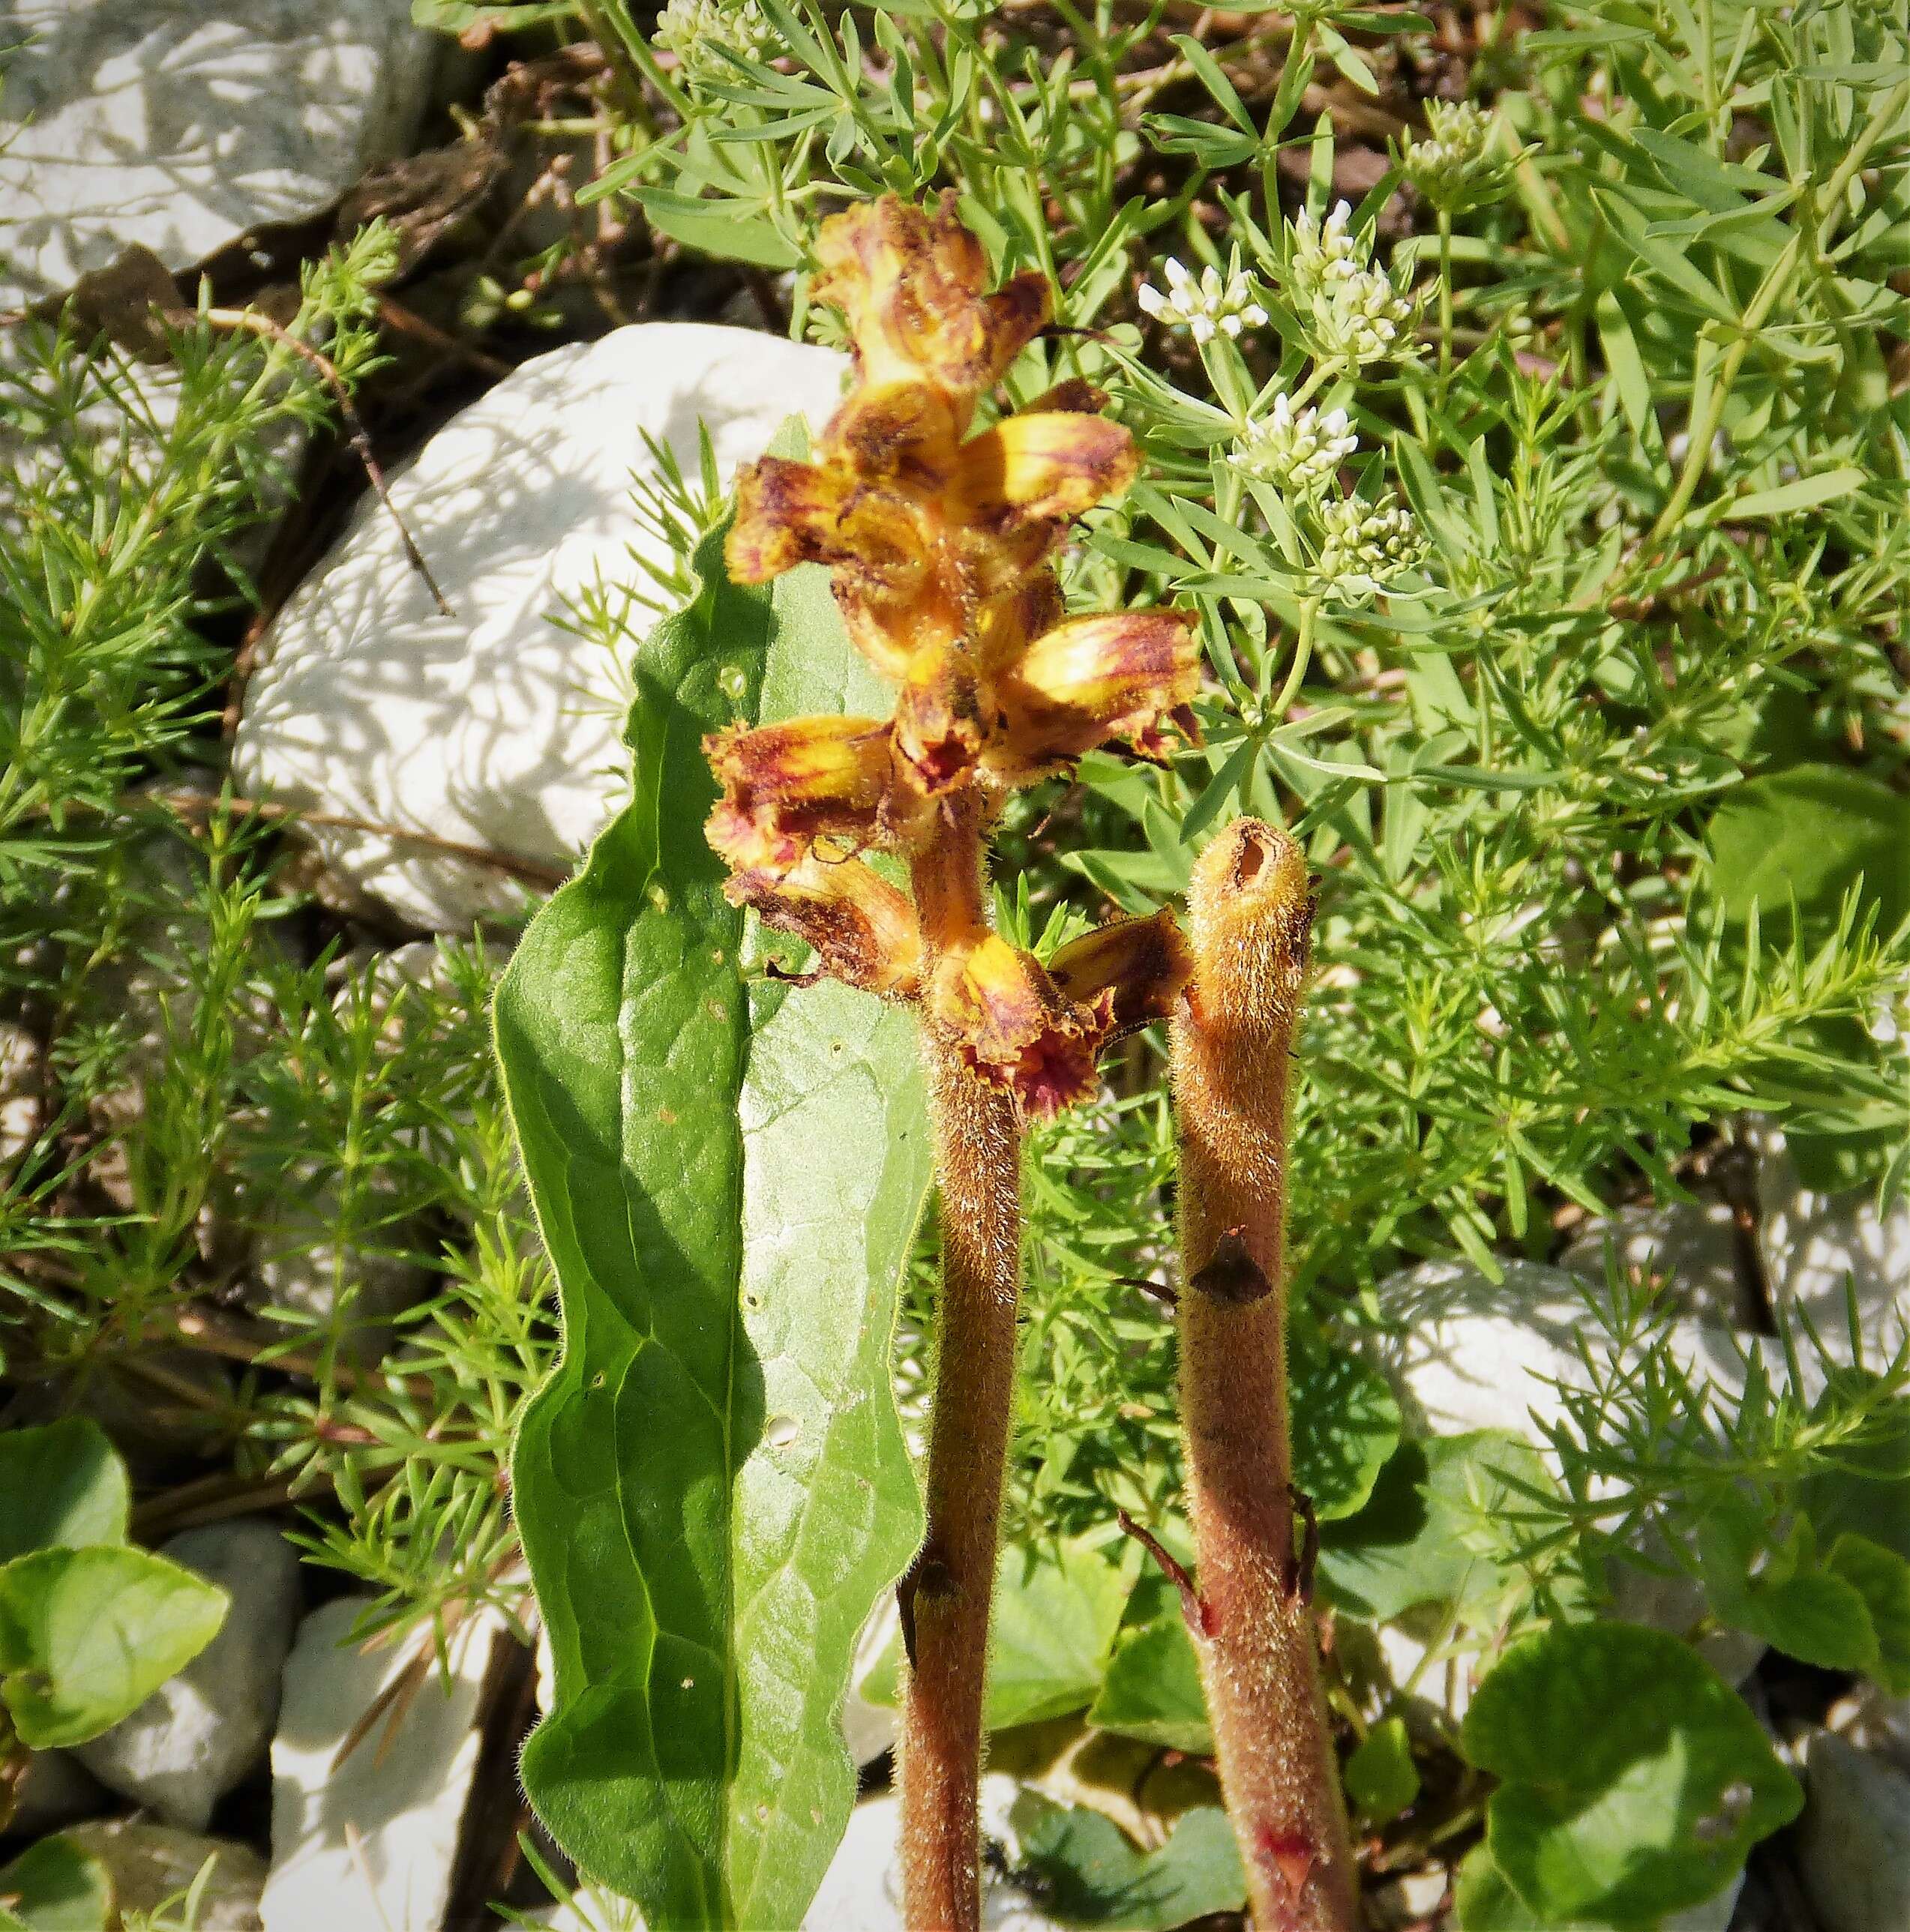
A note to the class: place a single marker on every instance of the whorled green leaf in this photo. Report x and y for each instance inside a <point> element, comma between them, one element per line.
<point>1089,1874</point>
<point>86,1635</point>
<point>713,1487</point>
<point>54,1886</point>
<point>63,1486</point>
<point>1633,1780</point>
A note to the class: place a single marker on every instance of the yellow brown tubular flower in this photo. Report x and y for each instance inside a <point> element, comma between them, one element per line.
<point>940,541</point>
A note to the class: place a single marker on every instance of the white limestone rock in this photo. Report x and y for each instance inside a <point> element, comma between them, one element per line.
<point>1812,1242</point>
<point>869,1729</point>
<point>493,727</point>
<point>1874,1720</point>
<point>1852,1843</point>
<point>373,1840</point>
<point>20,1085</point>
<point>182,126</point>
<point>1691,1247</point>
<point>199,1734</point>
<point>150,1864</point>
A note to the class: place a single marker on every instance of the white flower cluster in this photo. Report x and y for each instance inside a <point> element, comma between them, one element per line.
<point>1364,544</point>
<point>1299,451</point>
<point>1450,166</point>
<point>1215,304</point>
<point>1354,312</point>
<point>693,30</point>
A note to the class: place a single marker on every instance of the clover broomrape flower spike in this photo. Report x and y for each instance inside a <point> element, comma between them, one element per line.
<point>939,539</point>
<point>1250,913</point>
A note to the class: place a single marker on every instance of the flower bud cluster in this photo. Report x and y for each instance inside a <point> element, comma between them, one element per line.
<point>695,31</point>
<point>1298,451</point>
<point>1451,165</point>
<point>940,543</point>
<point>1353,314</point>
<point>1365,544</point>
<point>1213,304</point>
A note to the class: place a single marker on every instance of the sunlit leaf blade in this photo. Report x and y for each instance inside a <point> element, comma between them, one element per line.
<point>712,1487</point>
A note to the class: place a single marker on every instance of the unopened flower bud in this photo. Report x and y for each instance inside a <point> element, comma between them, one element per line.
<point>1365,545</point>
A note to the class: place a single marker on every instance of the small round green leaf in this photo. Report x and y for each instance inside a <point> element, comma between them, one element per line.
<point>1633,1780</point>
<point>1381,1778</point>
<point>1806,836</point>
<point>54,1886</point>
<point>1345,1424</point>
<point>1152,1689</point>
<point>62,1487</point>
<point>1881,1579</point>
<point>86,1635</point>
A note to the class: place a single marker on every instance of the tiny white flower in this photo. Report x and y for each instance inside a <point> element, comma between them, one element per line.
<point>1299,452</point>
<point>1365,544</point>
<point>1213,305</point>
<point>1355,312</point>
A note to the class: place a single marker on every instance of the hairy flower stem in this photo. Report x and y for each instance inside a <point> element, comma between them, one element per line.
<point>946,1596</point>
<point>1232,1035</point>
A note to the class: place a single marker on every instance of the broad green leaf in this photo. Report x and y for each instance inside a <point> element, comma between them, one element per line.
<point>54,1886</point>
<point>1633,1780</point>
<point>1441,1527</point>
<point>1381,1778</point>
<point>1345,1425</point>
<point>1882,1579</point>
<point>1782,1594</point>
<point>1058,1608</point>
<point>1089,1874</point>
<point>1152,1688</point>
<point>1868,1490</point>
<point>1483,1900</point>
<point>63,1486</point>
<point>86,1635</point>
<point>713,1487</point>
<point>1808,834</point>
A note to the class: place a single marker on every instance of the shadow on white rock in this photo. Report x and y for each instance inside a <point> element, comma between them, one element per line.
<point>150,1864</point>
<point>180,125</point>
<point>373,1840</point>
<point>494,727</point>
<point>1852,1844</point>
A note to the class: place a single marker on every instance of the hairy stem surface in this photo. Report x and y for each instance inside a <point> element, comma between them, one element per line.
<point>946,1596</point>
<point>1231,1039</point>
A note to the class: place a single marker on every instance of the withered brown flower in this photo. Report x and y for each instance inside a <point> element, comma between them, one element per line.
<point>940,541</point>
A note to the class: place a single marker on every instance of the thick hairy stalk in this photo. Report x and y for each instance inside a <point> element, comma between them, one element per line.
<point>946,1596</point>
<point>1249,914</point>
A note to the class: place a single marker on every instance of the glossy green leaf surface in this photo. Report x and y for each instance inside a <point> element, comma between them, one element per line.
<point>712,1487</point>
<point>63,1486</point>
<point>1666,1782</point>
<point>86,1635</point>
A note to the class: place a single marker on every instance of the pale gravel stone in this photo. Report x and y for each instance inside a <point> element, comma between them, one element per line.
<point>149,1864</point>
<point>182,126</point>
<point>494,727</point>
<point>1852,1843</point>
<point>1813,1244</point>
<point>1873,1720</point>
<point>19,1092</point>
<point>1689,1247</point>
<point>199,1733</point>
<point>371,1841</point>
<point>57,1790</point>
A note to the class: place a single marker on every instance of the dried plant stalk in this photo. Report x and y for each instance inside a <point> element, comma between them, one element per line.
<point>1249,914</point>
